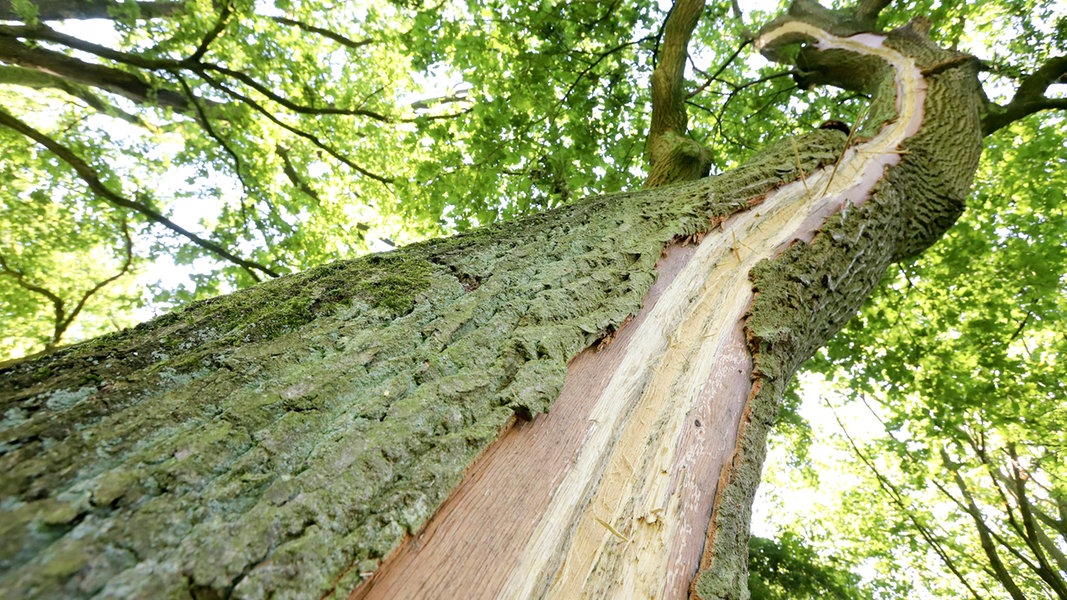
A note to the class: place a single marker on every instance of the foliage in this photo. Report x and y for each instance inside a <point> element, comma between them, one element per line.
<point>244,139</point>
<point>787,568</point>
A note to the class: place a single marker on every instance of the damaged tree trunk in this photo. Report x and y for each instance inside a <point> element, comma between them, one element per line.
<point>287,439</point>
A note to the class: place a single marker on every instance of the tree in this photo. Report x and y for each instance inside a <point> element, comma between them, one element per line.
<point>960,428</point>
<point>209,413</point>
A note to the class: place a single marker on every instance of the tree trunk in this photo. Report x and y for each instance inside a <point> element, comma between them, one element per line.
<point>288,438</point>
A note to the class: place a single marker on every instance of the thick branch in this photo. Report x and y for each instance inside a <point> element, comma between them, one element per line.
<point>867,12</point>
<point>1029,98</point>
<point>72,69</point>
<point>673,156</point>
<point>668,79</point>
<point>45,33</point>
<point>91,179</point>
<point>57,10</point>
<point>193,63</point>
<point>37,80</point>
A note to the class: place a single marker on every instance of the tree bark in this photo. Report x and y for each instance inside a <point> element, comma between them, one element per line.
<point>288,438</point>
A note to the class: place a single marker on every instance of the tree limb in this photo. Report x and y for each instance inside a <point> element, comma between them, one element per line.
<point>92,180</point>
<point>127,247</point>
<point>299,132</point>
<point>673,156</point>
<point>1046,572</point>
<point>200,68</point>
<point>220,25</point>
<point>45,33</point>
<point>1029,98</point>
<point>56,10</point>
<point>58,304</point>
<point>326,33</point>
<point>62,320</point>
<point>72,69</point>
<point>192,63</point>
<point>898,499</point>
<point>294,177</point>
<point>722,67</point>
<point>37,80</point>
<point>867,12</point>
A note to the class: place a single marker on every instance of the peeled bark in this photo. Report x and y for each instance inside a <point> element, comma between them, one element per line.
<point>288,438</point>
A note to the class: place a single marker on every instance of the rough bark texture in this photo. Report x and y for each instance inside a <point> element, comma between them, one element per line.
<point>283,439</point>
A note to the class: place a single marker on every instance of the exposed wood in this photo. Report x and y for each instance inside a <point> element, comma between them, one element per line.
<point>292,433</point>
<point>488,528</point>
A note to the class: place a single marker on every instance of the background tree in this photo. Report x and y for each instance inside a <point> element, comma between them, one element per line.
<point>492,148</point>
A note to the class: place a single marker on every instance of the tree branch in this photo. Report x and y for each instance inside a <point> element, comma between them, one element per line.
<point>668,78</point>
<point>37,80</point>
<point>220,25</point>
<point>91,179</point>
<point>673,156</point>
<point>867,12</point>
<point>986,539</point>
<point>127,261</point>
<point>244,78</point>
<point>311,138</point>
<point>56,10</point>
<point>46,33</point>
<point>1046,572</point>
<point>326,33</point>
<point>898,499</point>
<point>72,69</point>
<point>58,304</point>
<point>1029,98</point>
<point>715,76</point>
<point>192,63</point>
<point>294,177</point>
